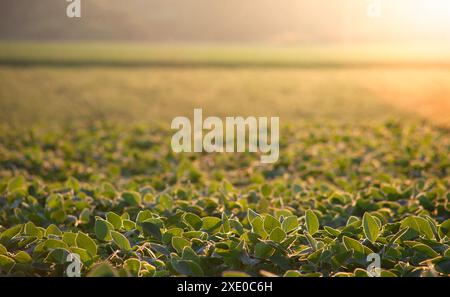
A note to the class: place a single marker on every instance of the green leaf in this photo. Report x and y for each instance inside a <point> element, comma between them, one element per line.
<point>225,224</point>
<point>360,273</point>
<point>188,268</point>
<point>447,253</point>
<point>166,202</point>
<point>128,225</point>
<point>141,217</point>
<point>102,230</point>
<point>189,254</point>
<point>133,266</point>
<point>425,249</point>
<point>16,183</point>
<point>6,263</point>
<point>312,222</point>
<point>73,184</point>
<point>53,230</point>
<point>10,233</point>
<point>386,273</point>
<point>132,198</point>
<point>398,235</point>
<point>30,229</point>
<point>85,216</point>
<point>266,190</point>
<point>352,244</point>
<point>22,257</point>
<point>55,243</point>
<point>70,238</point>
<point>417,226</point>
<point>292,273</point>
<point>167,236</point>
<point>121,241</point>
<point>85,257</point>
<point>85,242</point>
<point>231,273</point>
<point>270,223</point>
<point>289,224</point>
<point>3,250</point>
<point>115,220</point>
<point>178,243</point>
<point>211,224</point>
<point>370,227</point>
<point>258,227</point>
<point>58,256</point>
<point>263,250</point>
<point>277,235</point>
<point>442,264</point>
<point>151,229</point>
<point>331,231</point>
<point>444,229</point>
<point>315,256</point>
<point>193,220</point>
<point>102,270</point>
<point>352,220</point>
<point>251,215</point>
<point>312,242</point>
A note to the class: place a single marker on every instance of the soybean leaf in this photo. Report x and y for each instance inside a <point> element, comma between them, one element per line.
<point>102,230</point>
<point>16,183</point>
<point>263,250</point>
<point>85,242</point>
<point>270,223</point>
<point>289,224</point>
<point>193,220</point>
<point>211,224</point>
<point>102,270</point>
<point>277,235</point>
<point>312,222</point>
<point>133,266</point>
<point>114,220</point>
<point>187,267</point>
<point>131,198</point>
<point>6,263</point>
<point>178,243</point>
<point>417,227</point>
<point>444,229</point>
<point>351,243</point>
<point>121,241</point>
<point>151,229</point>
<point>370,227</point>
<point>258,227</point>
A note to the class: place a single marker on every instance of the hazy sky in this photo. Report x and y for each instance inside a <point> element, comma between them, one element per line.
<point>266,21</point>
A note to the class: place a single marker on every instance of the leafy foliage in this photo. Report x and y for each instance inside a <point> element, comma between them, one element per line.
<point>121,200</point>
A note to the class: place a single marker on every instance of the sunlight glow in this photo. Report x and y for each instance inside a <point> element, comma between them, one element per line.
<point>423,15</point>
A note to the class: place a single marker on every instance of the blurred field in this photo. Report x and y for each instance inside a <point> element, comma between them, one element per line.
<point>213,56</point>
<point>360,145</point>
<point>61,83</point>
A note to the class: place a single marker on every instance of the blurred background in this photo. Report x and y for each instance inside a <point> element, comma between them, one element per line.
<point>338,59</point>
<point>289,22</point>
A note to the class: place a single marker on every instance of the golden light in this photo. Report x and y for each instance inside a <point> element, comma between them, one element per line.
<point>423,18</point>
